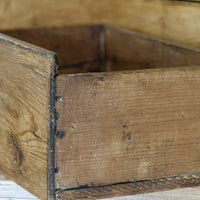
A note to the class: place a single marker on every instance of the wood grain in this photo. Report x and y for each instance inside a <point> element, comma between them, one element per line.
<point>134,188</point>
<point>127,50</point>
<point>119,126</point>
<point>124,126</point>
<point>111,49</point>
<point>191,193</point>
<point>174,21</point>
<point>11,191</point>
<point>75,45</point>
<point>26,72</point>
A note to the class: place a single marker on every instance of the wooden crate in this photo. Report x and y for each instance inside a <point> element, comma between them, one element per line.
<point>176,21</point>
<point>117,115</point>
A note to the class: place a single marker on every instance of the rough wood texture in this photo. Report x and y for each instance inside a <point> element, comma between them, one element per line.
<point>125,126</point>
<point>119,127</point>
<point>131,189</point>
<point>26,73</point>
<point>75,45</point>
<point>111,49</point>
<point>125,50</point>
<point>191,193</point>
<point>12,191</point>
<point>175,21</point>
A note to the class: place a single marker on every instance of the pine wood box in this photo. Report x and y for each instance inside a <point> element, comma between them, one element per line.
<point>111,113</point>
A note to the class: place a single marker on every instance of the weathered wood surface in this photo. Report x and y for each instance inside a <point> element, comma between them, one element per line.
<point>11,191</point>
<point>179,194</point>
<point>133,125</point>
<point>173,20</point>
<point>111,49</point>
<point>127,50</point>
<point>131,189</point>
<point>76,46</point>
<point>110,119</point>
<point>25,75</point>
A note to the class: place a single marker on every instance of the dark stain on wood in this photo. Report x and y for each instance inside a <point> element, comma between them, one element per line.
<point>183,116</point>
<point>101,79</point>
<point>127,135</point>
<point>57,170</point>
<point>188,1</point>
<point>17,153</point>
<point>60,134</point>
<point>37,136</point>
<point>52,129</point>
<point>128,138</point>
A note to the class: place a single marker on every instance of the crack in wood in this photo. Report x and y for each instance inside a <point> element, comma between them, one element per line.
<point>37,136</point>
<point>20,157</point>
<point>186,176</point>
<point>34,70</point>
<point>188,1</point>
<point>16,158</point>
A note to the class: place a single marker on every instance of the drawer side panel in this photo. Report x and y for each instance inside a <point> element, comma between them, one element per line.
<point>125,126</point>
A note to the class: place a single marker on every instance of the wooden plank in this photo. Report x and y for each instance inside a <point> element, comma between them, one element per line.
<point>131,189</point>
<point>125,50</point>
<point>81,44</point>
<point>125,126</point>
<point>11,191</point>
<point>178,194</point>
<point>26,76</point>
<point>111,48</point>
<point>175,21</point>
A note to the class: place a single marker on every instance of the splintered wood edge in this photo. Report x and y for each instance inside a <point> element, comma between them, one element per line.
<point>131,188</point>
<point>53,71</point>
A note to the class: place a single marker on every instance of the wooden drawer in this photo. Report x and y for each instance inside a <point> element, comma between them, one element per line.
<point>111,113</point>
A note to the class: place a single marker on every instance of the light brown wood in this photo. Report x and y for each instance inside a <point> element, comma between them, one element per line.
<point>124,126</point>
<point>139,187</point>
<point>119,126</point>
<point>175,21</point>
<point>111,49</point>
<point>176,194</point>
<point>25,75</point>
<point>191,193</point>
<point>125,50</point>
<point>75,45</point>
<point>11,190</point>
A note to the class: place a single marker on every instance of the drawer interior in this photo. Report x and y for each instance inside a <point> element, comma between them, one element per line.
<point>104,48</point>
